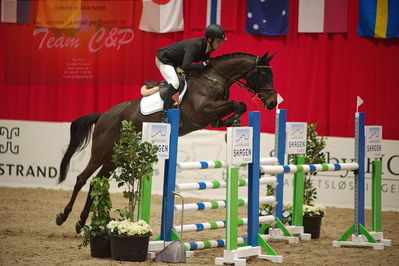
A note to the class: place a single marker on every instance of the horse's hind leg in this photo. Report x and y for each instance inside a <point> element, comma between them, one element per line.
<point>104,172</point>
<point>80,182</point>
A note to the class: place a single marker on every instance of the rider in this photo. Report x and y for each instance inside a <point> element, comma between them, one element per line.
<point>183,54</point>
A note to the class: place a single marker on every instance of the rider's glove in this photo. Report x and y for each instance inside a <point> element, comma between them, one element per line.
<point>207,62</point>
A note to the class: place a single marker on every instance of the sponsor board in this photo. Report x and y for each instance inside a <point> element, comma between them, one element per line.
<point>30,154</point>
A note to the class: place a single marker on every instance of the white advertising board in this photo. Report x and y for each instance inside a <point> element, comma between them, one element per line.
<point>158,134</point>
<point>239,149</point>
<point>296,138</point>
<point>373,144</point>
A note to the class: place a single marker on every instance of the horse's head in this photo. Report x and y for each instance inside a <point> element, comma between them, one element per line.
<point>260,81</point>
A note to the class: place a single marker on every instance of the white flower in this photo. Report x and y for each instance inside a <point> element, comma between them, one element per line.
<point>127,227</point>
<point>314,210</point>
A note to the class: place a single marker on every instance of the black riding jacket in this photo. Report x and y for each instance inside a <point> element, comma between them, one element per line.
<point>184,53</point>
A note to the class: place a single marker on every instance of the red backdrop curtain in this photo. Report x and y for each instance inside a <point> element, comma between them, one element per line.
<point>318,75</point>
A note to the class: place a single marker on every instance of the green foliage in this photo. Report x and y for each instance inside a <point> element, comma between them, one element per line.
<point>100,210</point>
<point>134,160</point>
<point>314,155</point>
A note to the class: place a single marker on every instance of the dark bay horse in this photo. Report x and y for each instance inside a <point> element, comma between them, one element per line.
<point>205,103</point>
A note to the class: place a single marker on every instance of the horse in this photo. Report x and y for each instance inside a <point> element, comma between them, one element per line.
<point>206,102</point>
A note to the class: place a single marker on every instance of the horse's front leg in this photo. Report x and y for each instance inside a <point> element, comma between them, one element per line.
<point>222,109</point>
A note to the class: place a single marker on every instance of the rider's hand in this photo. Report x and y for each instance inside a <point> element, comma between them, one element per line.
<point>207,62</point>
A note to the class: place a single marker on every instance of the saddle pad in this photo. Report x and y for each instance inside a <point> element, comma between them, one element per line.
<point>151,104</point>
<point>154,103</point>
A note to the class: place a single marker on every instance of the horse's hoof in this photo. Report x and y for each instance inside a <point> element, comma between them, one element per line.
<point>59,219</point>
<point>78,228</point>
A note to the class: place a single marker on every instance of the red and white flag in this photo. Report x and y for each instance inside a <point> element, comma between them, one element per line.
<point>323,16</point>
<point>162,16</point>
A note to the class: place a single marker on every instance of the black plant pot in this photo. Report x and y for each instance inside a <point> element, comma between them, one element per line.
<point>129,248</point>
<point>100,247</point>
<point>311,225</point>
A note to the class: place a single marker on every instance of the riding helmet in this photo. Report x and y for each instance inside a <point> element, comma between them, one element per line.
<point>215,31</point>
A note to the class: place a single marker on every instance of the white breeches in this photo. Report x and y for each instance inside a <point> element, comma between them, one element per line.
<point>168,73</point>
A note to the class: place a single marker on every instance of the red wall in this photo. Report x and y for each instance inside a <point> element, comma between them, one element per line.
<point>318,75</point>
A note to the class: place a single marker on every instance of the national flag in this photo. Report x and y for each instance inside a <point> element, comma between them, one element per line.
<point>379,18</point>
<point>323,16</point>
<point>206,12</point>
<point>269,17</point>
<point>213,12</point>
<point>59,14</point>
<point>15,11</point>
<point>162,16</point>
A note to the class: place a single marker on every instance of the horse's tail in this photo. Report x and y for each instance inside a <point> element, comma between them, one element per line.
<point>80,137</point>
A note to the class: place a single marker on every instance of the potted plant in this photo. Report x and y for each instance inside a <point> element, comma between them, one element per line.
<point>313,211</point>
<point>97,233</point>
<point>134,160</point>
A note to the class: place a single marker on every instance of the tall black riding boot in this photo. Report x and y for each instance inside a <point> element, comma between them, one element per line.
<point>167,101</point>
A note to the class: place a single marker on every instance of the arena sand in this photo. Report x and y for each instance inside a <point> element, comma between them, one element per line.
<point>29,235</point>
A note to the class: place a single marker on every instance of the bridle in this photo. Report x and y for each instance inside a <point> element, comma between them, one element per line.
<point>257,91</point>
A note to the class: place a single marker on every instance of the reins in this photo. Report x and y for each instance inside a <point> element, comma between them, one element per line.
<point>245,85</point>
<point>238,82</point>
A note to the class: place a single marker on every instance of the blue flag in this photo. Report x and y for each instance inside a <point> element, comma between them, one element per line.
<point>269,17</point>
<point>379,18</point>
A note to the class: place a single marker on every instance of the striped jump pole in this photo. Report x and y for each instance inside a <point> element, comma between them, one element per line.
<point>271,200</point>
<point>218,164</point>
<point>220,224</point>
<point>306,168</point>
<point>269,180</point>
<point>214,243</point>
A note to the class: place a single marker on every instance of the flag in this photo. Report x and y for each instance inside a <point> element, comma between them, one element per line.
<point>359,101</point>
<point>269,17</point>
<point>205,12</point>
<point>323,16</point>
<point>59,14</point>
<point>15,11</point>
<point>213,12</point>
<point>162,16</point>
<point>379,18</point>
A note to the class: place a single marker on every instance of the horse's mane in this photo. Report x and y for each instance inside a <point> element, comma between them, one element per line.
<point>226,56</point>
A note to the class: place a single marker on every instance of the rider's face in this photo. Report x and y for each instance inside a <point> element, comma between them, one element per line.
<point>216,44</point>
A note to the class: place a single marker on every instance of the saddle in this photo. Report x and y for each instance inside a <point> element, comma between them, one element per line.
<point>154,93</point>
<point>151,87</point>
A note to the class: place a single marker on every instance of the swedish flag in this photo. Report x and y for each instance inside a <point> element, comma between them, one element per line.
<point>379,18</point>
